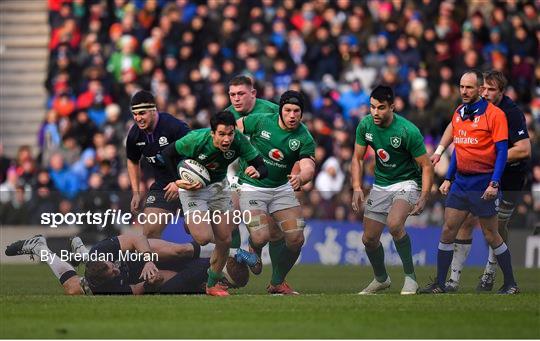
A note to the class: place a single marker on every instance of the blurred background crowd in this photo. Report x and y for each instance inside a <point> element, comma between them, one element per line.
<point>334,52</point>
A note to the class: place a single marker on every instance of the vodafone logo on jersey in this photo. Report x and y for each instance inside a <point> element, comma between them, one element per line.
<point>276,154</point>
<point>383,155</point>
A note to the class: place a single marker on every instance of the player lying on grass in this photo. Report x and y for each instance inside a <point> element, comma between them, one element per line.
<point>177,270</point>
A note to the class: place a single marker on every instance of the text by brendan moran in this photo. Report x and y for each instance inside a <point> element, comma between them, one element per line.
<point>122,256</point>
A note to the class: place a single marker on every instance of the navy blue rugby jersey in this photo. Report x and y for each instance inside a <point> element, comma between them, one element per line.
<point>149,145</point>
<point>517,130</point>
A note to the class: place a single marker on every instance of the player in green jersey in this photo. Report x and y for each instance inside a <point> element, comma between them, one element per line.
<point>402,168</point>
<point>282,140</point>
<point>207,210</point>
<point>244,99</point>
<point>244,102</point>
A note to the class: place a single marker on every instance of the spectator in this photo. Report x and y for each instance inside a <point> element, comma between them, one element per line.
<point>63,179</point>
<point>330,179</point>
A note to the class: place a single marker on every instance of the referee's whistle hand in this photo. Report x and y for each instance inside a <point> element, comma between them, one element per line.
<point>490,193</point>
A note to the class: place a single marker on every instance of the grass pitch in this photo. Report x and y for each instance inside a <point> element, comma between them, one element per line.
<point>32,306</point>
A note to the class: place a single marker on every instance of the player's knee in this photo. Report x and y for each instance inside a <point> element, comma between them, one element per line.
<point>370,242</point>
<point>294,241</point>
<point>259,238</point>
<point>224,239</point>
<point>258,222</point>
<point>394,225</point>
<point>203,238</point>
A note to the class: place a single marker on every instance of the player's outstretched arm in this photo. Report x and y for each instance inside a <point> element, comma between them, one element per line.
<point>357,166</point>
<point>427,181</point>
<point>305,175</point>
<point>130,242</point>
<point>446,140</point>
<point>521,150</point>
<point>134,173</point>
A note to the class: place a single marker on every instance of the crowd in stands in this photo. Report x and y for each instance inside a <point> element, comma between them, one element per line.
<point>334,52</point>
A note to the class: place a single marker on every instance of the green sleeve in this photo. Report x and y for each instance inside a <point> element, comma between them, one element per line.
<point>274,108</point>
<point>361,134</point>
<point>250,124</point>
<point>245,149</point>
<point>415,142</point>
<point>308,148</point>
<point>186,145</point>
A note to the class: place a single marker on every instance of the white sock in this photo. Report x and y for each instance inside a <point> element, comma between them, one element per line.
<point>462,248</point>
<point>491,265</point>
<point>206,251</point>
<point>83,251</point>
<point>58,266</point>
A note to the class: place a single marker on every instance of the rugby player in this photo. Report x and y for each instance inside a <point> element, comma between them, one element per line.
<point>403,178</point>
<point>151,133</point>
<point>177,270</point>
<point>480,135</point>
<point>282,139</point>
<point>512,180</point>
<point>244,101</point>
<point>215,148</point>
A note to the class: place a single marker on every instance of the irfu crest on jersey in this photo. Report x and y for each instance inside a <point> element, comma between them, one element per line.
<point>395,141</point>
<point>294,144</point>
<point>229,154</point>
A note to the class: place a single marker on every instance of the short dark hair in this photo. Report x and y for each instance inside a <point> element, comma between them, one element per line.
<point>497,78</point>
<point>479,76</point>
<point>222,117</point>
<point>241,80</point>
<point>143,100</point>
<point>95,272</point>
<point>383,93</point>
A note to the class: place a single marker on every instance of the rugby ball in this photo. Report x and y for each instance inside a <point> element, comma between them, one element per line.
<point>193,172</point>
<point>235,275</point>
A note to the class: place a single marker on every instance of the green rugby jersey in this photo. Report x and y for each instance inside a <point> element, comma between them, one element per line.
<point>279,148</point>
<point>198,145</point>
<point>395,147</point>
<point>262,106</point>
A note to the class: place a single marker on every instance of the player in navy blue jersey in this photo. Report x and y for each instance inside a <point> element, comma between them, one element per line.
<point>130,265</point>
<point>512,181</point>
<point>151,133</point>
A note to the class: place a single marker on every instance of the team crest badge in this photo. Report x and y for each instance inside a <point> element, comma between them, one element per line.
<point>163,141</point>
<point>294,144</point>
<point>395,141</point>
<point>229,154</point>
